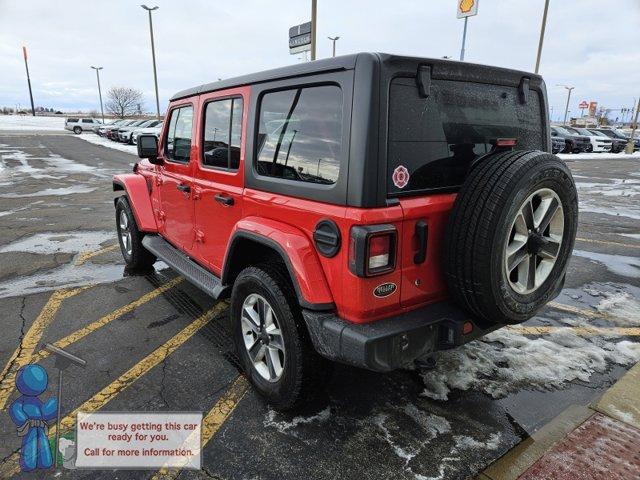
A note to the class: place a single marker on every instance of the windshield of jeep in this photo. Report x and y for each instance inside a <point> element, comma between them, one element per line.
<point>437,138</point>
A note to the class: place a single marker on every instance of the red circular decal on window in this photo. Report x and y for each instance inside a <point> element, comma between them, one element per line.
<point>401,176</point>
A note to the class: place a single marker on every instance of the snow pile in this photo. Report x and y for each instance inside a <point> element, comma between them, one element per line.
<point>598,156</point>
<point>506,361</point>
<point>29,122</point>
<point>105,142</point>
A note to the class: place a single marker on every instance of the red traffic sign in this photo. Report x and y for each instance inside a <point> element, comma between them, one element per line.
<point>583,104</point>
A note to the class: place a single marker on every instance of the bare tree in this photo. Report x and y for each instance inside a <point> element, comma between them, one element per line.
<point>123,101</point>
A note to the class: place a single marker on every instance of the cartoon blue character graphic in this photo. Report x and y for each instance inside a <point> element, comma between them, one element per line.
<point>30,414</point>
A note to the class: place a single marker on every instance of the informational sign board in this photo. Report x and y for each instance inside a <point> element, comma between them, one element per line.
<point>467,8</point>
<point>300,38</point>
<point>593,106</point>
<point>583,104</point>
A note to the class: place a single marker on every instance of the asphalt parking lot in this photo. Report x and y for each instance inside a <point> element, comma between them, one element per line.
<point>155,342</point>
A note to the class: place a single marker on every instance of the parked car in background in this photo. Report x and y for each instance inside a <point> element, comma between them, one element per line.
<point>573,143</point>
<point>599,142</point>
<point>79,125</point>
<point>100,129</point>
<point>155,130</point>
<point>619,137</point>
<point>115,136</point>
<point>557,144</point>
<point>112,131</point>
<point>124,133</point>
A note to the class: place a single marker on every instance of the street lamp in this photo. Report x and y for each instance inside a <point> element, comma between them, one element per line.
<point>334,40</point>
<point>153,56</point>
<point>566,110</point>
<point>542,29</point>
<point>97,69</point>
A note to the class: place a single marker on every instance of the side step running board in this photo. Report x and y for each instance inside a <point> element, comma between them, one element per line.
<point>181,263</point>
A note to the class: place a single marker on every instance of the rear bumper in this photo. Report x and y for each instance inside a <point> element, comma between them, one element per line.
<point>388,344</point>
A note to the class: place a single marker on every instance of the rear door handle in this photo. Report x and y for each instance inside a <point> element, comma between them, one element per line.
<point>183,187</point>
<point>224,200</point>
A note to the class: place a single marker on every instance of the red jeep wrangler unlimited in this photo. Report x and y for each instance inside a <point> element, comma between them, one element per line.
<point>367,209</point>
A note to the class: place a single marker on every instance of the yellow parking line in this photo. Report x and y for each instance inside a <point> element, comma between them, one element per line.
<point>212,422</point>
<point>84,256</point>
<point>580,311</point>
<point>22,355</point>
<point>83,332</point>
<point>11,466</point>
<point>606,242</point>
<point>583,331</point>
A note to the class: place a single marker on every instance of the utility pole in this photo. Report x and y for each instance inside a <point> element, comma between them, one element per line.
<point>542,29</point>
<point>566,110</point>
<point>314,27</point>
<point>97,69</point>
<point>631,144</point>
<point>26,66</point>
<point>334,40</point>
<point>464,38</point>
<point>153,56</point>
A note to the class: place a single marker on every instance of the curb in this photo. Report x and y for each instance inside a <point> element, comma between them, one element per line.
<point>619,402</point>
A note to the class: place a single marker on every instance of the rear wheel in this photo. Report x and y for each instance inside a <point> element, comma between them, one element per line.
<point>510,235</point>
<point>271,338</point>
<point>130,238</point>
<point>77,130</point>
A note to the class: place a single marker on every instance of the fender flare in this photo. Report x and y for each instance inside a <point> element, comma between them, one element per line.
<point>297,252</point>
<point>136,188</point>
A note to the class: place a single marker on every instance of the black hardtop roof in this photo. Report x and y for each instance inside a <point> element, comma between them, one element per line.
<point>345,62</point>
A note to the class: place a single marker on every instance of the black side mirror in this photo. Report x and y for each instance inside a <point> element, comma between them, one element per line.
<point>148,148</point>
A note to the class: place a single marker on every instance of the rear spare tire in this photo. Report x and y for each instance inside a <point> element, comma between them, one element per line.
<point>510,235</point>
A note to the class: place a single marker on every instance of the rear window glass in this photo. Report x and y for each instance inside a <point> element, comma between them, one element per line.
<point>435,139</point>
<point>300,134</point>
<point>222,130</point>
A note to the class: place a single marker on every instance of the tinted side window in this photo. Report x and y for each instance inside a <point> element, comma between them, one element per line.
<point>300,134</point>
<point>87,120</point>
<point>72,120</point>
<point>222,130</point>
<point>177,146</point>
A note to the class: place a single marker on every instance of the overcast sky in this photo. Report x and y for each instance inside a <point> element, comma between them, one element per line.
<point>592,45</point>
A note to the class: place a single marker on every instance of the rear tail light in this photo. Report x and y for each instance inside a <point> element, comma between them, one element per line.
<point>505,142</point>
<point>372,250</point>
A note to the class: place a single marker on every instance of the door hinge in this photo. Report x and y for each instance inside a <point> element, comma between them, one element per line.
<point>197,193</point>
<point>161,215</point>
<point>199,236</point>
<point>158,180</point>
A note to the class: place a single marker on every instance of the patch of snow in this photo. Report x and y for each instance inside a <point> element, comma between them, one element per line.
<point>50,192</point>
<point>505,361</point>
<point>635,236</point>
<point>464,442</point>
<point>616,188</point>
<point>626,211</point>
<point>105,142</point>
<point>29,122</point>
<point>618,264</point>
<point>67,242</point>
<point>598,156</point>
<point>283,425</point>
<point>626,417</point>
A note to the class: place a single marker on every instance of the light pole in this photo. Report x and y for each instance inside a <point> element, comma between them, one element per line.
<point>97,69</point>
<point>153,55</point>
<point>464,39</point>
<point>334,40</point>
<point>566,110</point>
<point>542,29</point>
<point>314,27</point>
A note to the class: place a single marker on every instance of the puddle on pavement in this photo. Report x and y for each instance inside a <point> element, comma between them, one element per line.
<point>618,264</point>
<point>65,242</point>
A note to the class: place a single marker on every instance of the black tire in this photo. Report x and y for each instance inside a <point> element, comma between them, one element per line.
<point>77,130</point>
<point>304,370</point>
<point>481,226</point>
<point>136,256</point>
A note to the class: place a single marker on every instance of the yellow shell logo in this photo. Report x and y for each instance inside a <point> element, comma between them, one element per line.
<point>466,5</point>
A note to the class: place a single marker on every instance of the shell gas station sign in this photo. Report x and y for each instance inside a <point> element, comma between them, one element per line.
<point>467,8</point>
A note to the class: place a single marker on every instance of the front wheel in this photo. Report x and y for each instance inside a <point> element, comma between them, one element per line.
<point>130,238</point>
<point>77,130</point>
<point>271,338</point>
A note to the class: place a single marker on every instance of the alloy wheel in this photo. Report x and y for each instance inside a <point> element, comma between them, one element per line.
<point>125,232</point>
<point>263,338</point>
<point>534,240</point>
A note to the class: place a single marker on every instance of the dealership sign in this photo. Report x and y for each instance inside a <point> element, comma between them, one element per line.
<point>583,105</point>
<point>467,8</point>
<point>300,38</point>
<point>592,108</point>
